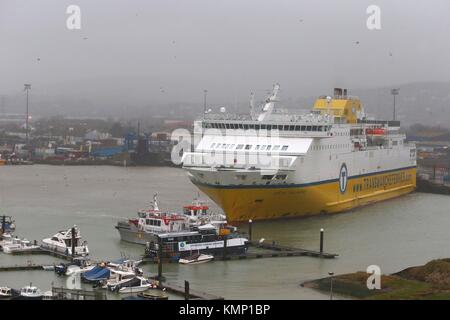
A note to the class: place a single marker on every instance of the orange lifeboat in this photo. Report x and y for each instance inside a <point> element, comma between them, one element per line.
<point>375,131</point>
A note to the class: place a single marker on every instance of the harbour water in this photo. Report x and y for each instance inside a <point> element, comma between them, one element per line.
<point>395,234</point>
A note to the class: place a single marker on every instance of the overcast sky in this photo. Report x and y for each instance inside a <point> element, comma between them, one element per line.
<point>169,51</point>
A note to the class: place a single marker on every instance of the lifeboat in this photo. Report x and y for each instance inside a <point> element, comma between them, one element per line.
<point>375,131</point>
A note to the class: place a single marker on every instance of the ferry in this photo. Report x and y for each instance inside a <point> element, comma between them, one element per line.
<point>274,163</point>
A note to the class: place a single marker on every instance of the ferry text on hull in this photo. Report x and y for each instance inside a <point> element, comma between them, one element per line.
<point>329,160</point>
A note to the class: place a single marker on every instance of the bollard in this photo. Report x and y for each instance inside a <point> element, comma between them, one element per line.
<point>186,290</point>
<point>73,242</point>
<point>160,252</point>
<point>321,241</point>
<point>225,240</point>
<point>250,230</point>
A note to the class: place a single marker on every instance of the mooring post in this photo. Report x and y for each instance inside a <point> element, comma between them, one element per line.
<point>3,224</point>
<point>321,241</point>
<point>73,242</point>
<point>160,253</point>
<point>250,230</point>
<point>186,290</point>
<point>225,240</point>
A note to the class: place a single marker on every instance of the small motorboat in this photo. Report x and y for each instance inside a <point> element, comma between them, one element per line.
<point>8,293</point>
<point>20,246</point>
<point>154,294</point>
<point>196,259</point>
<point>79,265</point>
<point>30,293</point>
<point>118,277</point>
<point>135,285</point>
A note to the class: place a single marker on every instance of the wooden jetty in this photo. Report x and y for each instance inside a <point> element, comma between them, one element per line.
<point>191,294</point>
<point>45,251</point>
<point>26,267</point>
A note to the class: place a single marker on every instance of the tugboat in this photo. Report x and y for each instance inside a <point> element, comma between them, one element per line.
<point>64,241</point>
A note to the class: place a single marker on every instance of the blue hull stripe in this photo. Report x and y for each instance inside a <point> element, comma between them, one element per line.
<point>292,185</point>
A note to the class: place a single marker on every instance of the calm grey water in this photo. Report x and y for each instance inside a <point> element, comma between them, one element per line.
<point>394,234</point>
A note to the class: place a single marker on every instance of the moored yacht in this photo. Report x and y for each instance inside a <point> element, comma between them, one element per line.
<point>66,241</point>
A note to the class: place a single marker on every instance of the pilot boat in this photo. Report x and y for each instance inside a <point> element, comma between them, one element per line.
<point>151,223</point>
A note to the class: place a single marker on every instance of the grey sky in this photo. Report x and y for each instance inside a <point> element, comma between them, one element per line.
<point>168,51</point>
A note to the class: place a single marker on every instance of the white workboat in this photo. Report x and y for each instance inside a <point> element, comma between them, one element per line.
<point>62,242</point>
<point>196,259</point>
<point>20,246</point>
<point>30,293</point>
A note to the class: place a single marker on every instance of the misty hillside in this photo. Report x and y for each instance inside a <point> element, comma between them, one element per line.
<point>425,103</point>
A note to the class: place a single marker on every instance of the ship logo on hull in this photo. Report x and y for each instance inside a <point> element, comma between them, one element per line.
<point>343,177</point>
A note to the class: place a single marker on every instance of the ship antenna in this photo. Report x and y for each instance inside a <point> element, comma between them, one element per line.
<point>155,202</point>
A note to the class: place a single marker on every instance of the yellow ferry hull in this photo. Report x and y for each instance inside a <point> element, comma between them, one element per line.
<point>272,202</point>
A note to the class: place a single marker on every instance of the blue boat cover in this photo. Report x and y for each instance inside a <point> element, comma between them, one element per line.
<point>92,271</point>
<point>103,274</point>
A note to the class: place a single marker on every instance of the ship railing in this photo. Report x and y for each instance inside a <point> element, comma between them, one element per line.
<point>241,161</point>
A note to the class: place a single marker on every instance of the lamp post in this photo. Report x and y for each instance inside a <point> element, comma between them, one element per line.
<point>205,92</point>
<point>395,92</point>
<point>26,88</point>
<point>331,284</point>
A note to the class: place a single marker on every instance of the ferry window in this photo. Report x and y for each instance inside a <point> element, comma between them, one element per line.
<point>212,146</point>
<point>280,127</point>
<point>275,148</point>
<point>251,126</point>
<point>239,146</point>
<point>263,126</point>
<point>267,177</point>
<point>248,147</point>
<point>314,128</point>
<point>257,147</point>
<point>286,128</point>
<point>281,177</point>
<point>285,148</point>
<point>269,127</point>
<point>269,147</point>
<point>292,128</point>
<point>245,126</point>
<point>297,128</point>
<point>263,147</point>
<point>257,127</point>
<point>308,128</point>
<point>302,128</point>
